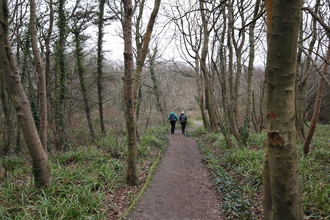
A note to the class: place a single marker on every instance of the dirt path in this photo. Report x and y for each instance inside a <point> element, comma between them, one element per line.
<point>181,188</point>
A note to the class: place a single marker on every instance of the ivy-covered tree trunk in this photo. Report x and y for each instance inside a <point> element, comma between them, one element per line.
<point>100,62</point>
<point>81,72</point>
<point>13,86</point>
<point>156,89</point>
<point>42,77</point>
<point>61,140</point>
<point>131,174</point>
<point>282,196</point>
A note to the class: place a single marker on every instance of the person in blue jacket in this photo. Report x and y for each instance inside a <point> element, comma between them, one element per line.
<point>173,118</point>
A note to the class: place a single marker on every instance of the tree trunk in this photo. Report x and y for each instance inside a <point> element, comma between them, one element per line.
<point>13,86</point>
<point>131,174</point>
<point>201,100</point>
<point>156,89</point>
<point>99,62</point>
<point>143,48</point>
<point>81,73</point>
<point>244,132</point>
<point>42,77</point>
<point>317,107</point>
<point>283,185</point>
<point>2,173</point>
<point>209,96</point>
<point>8,132</point>
<point>61,71</point>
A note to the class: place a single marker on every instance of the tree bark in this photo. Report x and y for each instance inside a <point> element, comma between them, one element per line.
<point>209,95</point>
<point>99,62</point>
<point>283,180</point>
<point>13,86</point>
<point>42,77</point>
<point>131,174</point>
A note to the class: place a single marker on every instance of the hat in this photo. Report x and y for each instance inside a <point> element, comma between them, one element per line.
<point>182,112</point>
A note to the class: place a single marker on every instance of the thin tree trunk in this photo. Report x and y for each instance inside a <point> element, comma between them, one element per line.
<point>201,100</point>
<point>157,90</point>
<point>2,173</point>
<point>61,90</point>
<point>248,114</point>
<point>12,81</point>
<point>317,107</point>
<point>48,55</point>
<point>131,173</point>
<point>100,62</point>
<point>142,53</point>
<point>42,77</point>
<point>81,73</point>
<point>281,178</point>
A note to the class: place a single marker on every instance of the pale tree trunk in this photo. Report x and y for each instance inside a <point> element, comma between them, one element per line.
<point>42,77</point>
<point>131,173</point>
<point>13,86</point>
<point>100,62</point>
<point>317,107</point>
<point>282,185</point>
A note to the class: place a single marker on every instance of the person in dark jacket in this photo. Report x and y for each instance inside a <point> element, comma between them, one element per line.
<point>183,119</point>
<point>173,118</point>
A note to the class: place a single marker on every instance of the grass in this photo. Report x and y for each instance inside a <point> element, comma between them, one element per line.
<point>237,173</point>
<point>88,182</point>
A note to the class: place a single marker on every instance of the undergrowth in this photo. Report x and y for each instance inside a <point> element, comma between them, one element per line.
<point>237,174</point>
<point>84,180</point>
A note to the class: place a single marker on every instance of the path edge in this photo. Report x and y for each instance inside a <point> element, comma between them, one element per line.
<point>152,170</point>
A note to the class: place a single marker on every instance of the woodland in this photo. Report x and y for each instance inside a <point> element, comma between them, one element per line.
<point>81,130</point>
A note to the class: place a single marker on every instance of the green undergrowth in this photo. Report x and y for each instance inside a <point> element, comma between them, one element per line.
<point>83,180</point>
<point>237,173</point>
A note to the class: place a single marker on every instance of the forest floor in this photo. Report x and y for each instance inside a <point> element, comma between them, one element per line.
<point>180,188</point>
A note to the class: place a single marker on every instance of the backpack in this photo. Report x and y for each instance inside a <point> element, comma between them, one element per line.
<point>183,118</point>
<point>172,117</point>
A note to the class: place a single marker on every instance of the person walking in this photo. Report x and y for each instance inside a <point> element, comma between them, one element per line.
<point>173,118</point>
<point>183,120</point>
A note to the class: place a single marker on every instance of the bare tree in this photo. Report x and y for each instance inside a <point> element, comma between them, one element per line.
<point>42,76</point>
<point>13,86</point>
